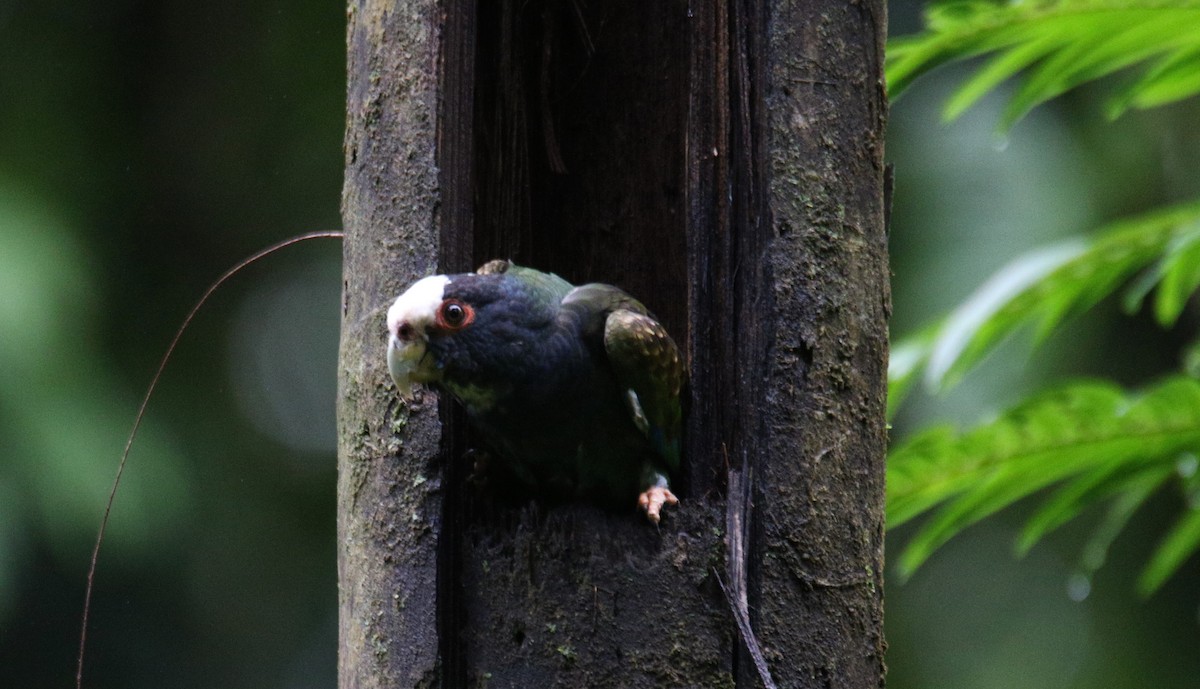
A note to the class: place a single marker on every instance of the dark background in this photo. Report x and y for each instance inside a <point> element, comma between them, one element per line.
<point>146,147</point>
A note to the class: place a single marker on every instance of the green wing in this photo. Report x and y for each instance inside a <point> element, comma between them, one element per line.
<point>646,363</point>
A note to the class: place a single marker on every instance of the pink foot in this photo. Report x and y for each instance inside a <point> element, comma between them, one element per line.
<point>651,501</point>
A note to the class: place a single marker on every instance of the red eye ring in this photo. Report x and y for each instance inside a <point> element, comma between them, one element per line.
<point>454,315</point>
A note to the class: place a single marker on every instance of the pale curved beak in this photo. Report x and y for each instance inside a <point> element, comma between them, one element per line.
<point>409,363</point>
<point>404,360</point>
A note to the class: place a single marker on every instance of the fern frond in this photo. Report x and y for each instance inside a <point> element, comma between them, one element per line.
<point>1043,287</point>
<point>1180,543</point>
<point>905,364</point>
<point>1135,482</point>
<point>1058,44</point>
<point>1091,440</point>
<point>1177,276</point>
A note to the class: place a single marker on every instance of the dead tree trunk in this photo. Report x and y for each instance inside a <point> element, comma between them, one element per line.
<point>722,160</point>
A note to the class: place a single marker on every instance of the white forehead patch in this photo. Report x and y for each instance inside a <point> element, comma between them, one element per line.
<point>419,304</point>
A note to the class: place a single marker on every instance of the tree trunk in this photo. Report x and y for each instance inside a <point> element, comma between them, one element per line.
<point>722,160</point>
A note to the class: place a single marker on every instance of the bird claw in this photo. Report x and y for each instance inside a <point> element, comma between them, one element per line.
<point>651,501</point>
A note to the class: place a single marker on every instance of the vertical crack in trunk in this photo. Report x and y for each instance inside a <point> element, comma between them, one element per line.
<point>456,176</point>
<point>687,151</point>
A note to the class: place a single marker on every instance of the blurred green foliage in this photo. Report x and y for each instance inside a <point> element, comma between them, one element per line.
<point>144,148</point>
<point>1058,45</point>
<point>1089,438</point>
<point>1115,468</point>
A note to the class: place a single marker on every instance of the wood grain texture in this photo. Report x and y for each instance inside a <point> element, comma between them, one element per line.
<point>820,479</point>
<point>389,459</point>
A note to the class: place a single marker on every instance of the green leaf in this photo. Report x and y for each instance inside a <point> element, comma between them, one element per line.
<point>1190,359</point>
<point>993,310</point>
<point>938,464</point>
<point>1119,512</point>
<point>1091,437</point>
<point>1182,541</point>
<point>1046,285</point>
<point>1180,277</point>
<point>999,69</point>
<point>1060,44</point>
<point>907,359</point>
<point>1113,479</point>
<point>1172,78</point>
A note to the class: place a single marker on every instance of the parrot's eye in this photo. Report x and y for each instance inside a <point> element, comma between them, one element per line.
<point>455,315</point>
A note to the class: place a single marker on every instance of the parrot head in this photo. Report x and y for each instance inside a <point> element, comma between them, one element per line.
<point>458,332</point>
<point>420,312</point>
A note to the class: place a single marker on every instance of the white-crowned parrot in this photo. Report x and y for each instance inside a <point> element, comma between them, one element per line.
<point>575,389</point>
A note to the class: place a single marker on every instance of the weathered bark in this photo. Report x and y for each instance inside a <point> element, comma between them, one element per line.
<point>721,160</point>
<point>390,473</point>
<point>820,477</point>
